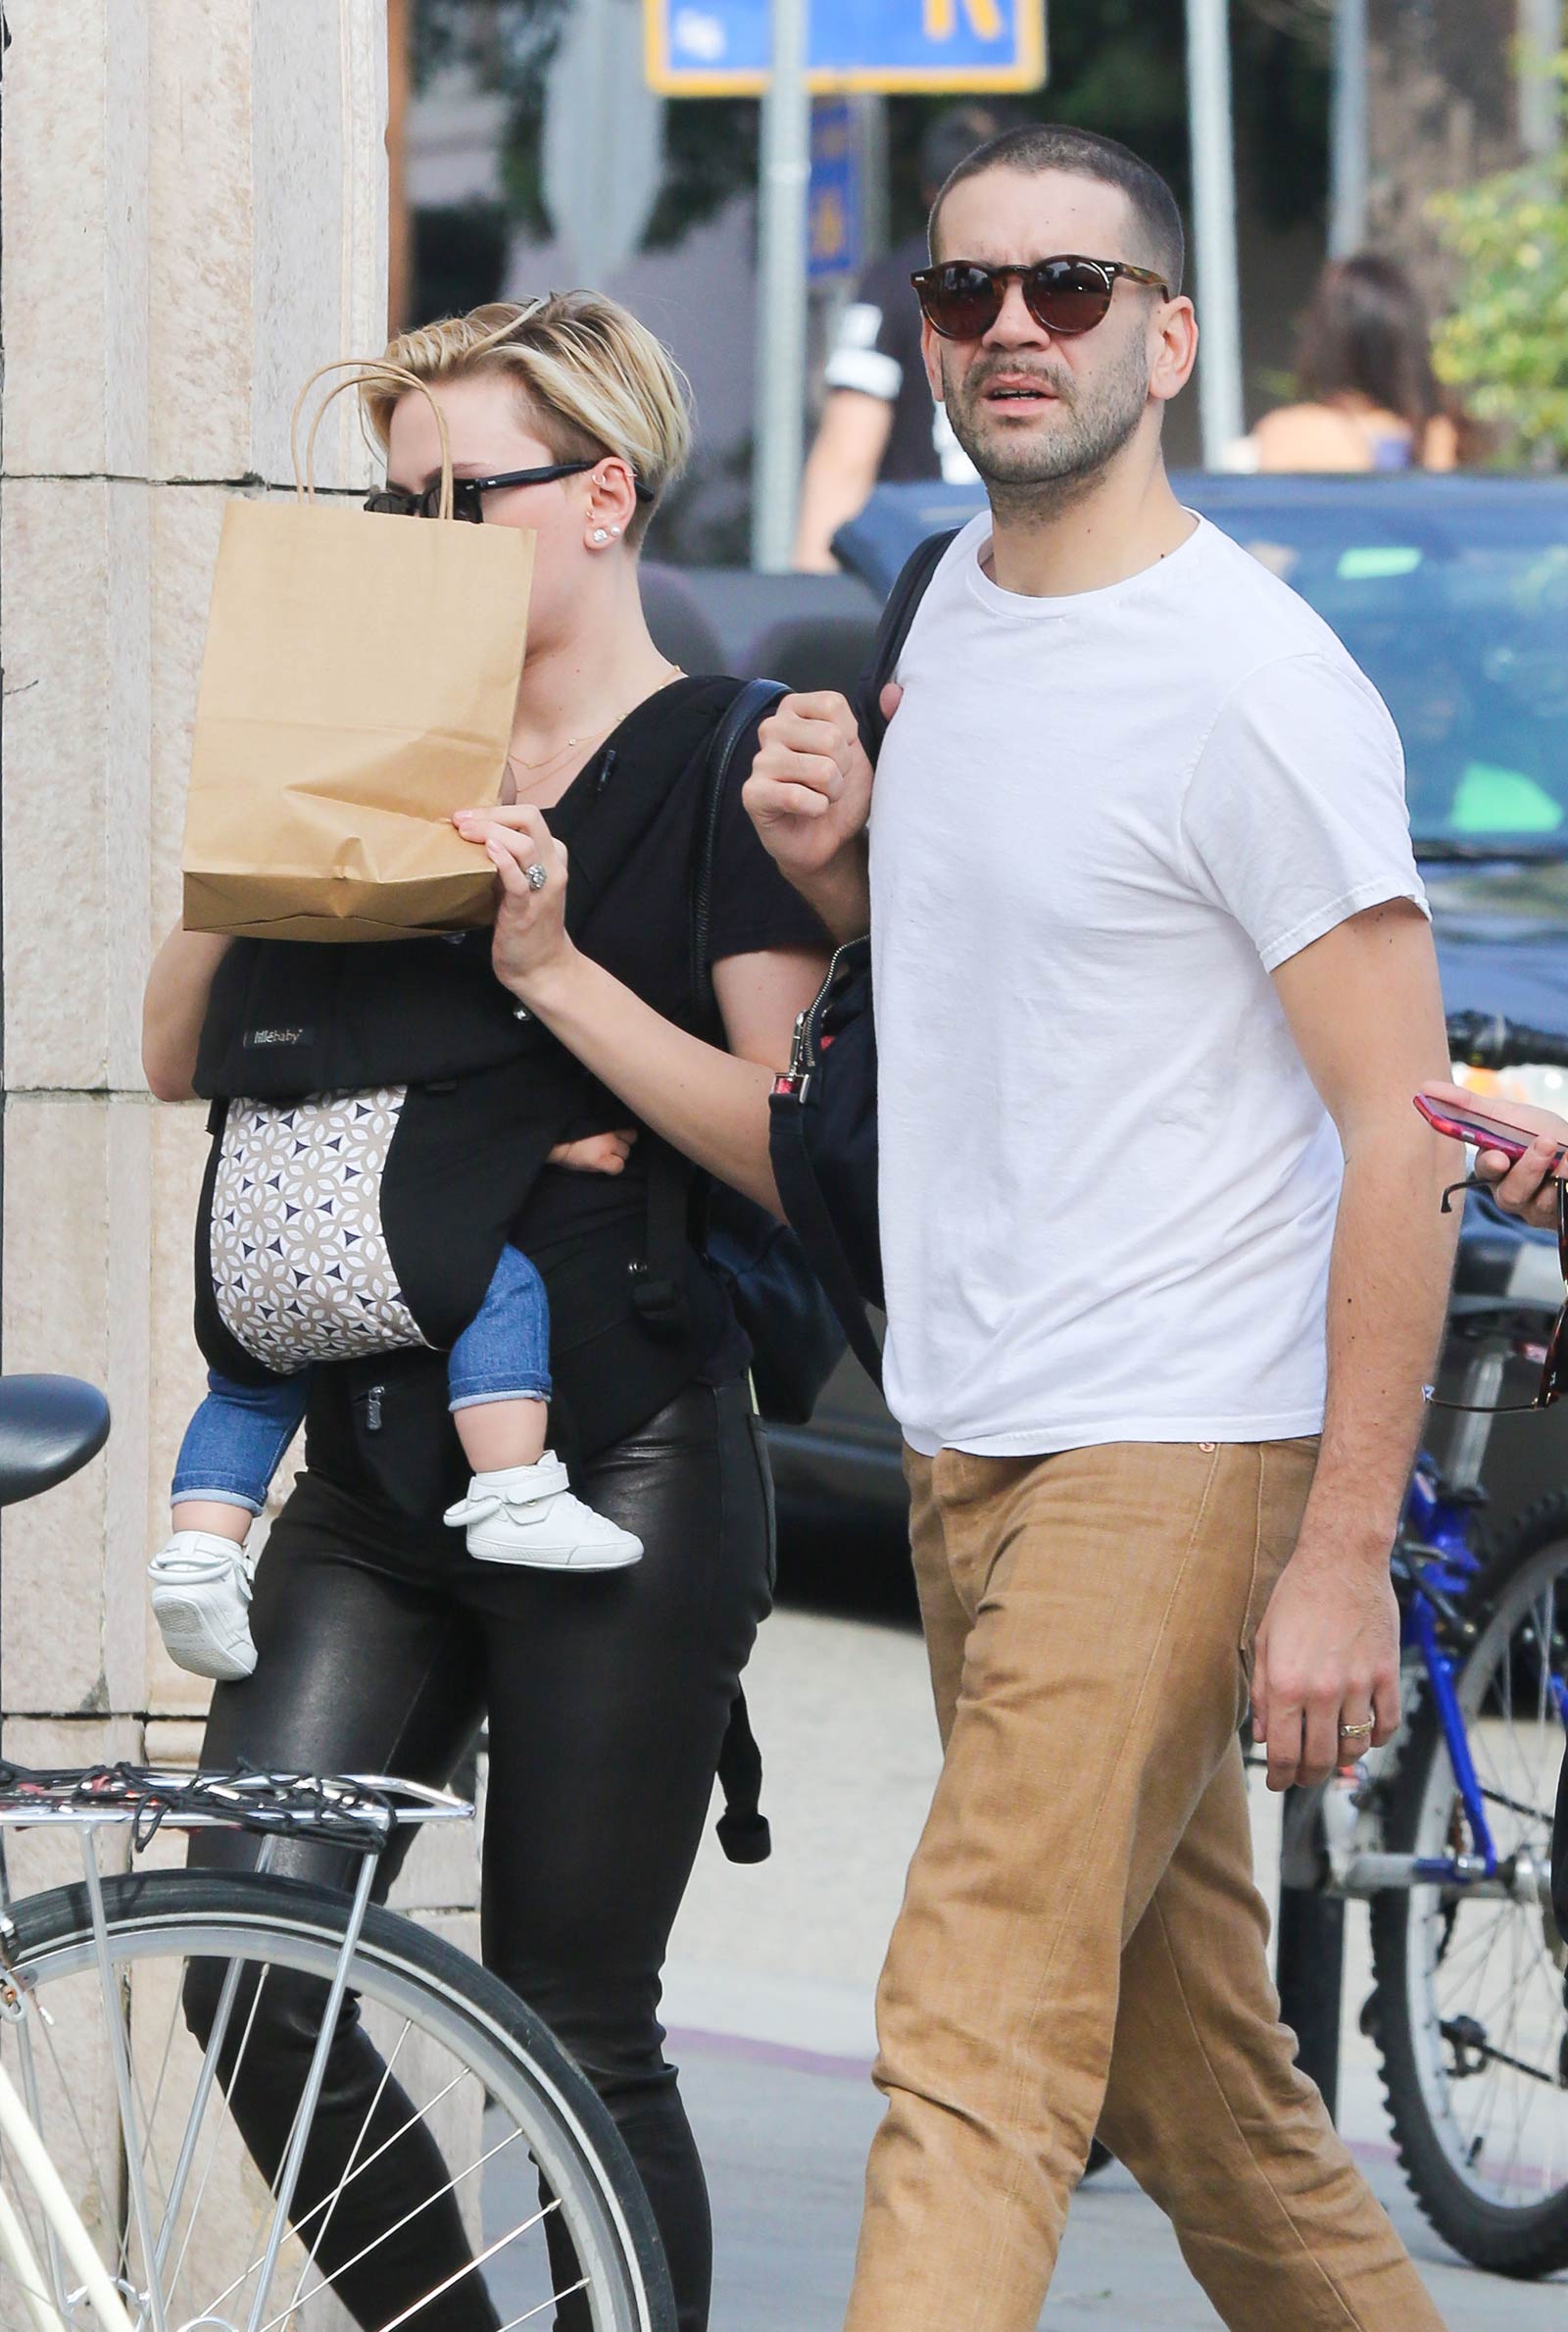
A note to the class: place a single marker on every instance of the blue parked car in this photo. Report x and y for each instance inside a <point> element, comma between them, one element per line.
<point>1452,595</point>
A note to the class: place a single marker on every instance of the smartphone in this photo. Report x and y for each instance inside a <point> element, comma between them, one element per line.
<point>1482,1133</point>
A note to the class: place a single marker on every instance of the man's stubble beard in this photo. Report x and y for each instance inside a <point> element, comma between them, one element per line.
<point>1040,478</point>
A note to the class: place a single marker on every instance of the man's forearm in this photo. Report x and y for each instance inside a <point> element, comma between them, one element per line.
<point>1388,1295</point>
<point>840,893</point>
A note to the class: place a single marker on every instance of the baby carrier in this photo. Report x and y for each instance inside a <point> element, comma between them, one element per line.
<point>380,1114</point>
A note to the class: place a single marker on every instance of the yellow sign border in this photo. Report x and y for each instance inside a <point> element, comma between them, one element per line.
<point>1028,71</point>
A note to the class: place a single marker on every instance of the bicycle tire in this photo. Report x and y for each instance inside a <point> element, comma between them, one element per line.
<point>400,1965</point>
<point>1528,2242</point>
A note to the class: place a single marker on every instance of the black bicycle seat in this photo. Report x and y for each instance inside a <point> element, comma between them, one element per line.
<point>50,1426</point>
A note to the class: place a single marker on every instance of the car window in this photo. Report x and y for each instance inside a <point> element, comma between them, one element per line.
<point>1466,638</point>
<point>1450,593</point>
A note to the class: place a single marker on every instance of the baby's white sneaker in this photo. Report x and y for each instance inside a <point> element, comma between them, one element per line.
<point>528,1515</point>
<point>201,1587</point>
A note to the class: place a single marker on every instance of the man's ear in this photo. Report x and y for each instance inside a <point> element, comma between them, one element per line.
<point>1176,350</point>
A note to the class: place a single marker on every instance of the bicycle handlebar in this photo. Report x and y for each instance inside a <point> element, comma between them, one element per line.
<point>1485,1040</point>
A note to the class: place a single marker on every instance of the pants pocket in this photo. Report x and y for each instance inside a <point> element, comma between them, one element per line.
<point>1285,1471</point>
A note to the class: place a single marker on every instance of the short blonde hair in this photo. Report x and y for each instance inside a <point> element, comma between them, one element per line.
<point>591,379</point>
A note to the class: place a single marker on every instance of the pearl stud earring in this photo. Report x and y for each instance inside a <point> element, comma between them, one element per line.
<point>600,535</point>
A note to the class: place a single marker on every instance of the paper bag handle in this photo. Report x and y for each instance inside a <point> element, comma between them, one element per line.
<point>362,370</point>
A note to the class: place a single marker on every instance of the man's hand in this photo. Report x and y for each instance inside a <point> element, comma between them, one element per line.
<point>1327,1656</point>
<point>810,790</point>
<point>1527,1186</point>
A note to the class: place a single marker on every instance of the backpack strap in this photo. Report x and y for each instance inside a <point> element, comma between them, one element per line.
<point>808,1210</point>
<point>659,1283</point>
<point>894,629</point>
<point>742,1830</point>
<point>751,703</point>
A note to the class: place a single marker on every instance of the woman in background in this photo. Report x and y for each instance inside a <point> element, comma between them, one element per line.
<point>1369,399</point>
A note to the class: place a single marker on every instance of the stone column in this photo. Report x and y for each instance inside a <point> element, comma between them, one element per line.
<point>194,219</point>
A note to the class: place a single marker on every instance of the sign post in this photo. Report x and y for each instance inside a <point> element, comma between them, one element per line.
<point>1349,152</point>
<point>1213,147</point>
<point>783,51</point>
<point>786,171</point>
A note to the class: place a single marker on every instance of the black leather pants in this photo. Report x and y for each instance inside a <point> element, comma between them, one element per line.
<point>606,1698</point>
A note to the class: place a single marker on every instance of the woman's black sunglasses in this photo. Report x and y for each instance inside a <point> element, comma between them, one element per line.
<point>466,491</point>
<point>961,299</point>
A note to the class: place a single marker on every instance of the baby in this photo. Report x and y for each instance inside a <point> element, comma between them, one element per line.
<point>520,1508</point>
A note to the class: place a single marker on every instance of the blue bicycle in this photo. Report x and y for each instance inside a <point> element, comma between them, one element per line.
<point>1447,1831</point>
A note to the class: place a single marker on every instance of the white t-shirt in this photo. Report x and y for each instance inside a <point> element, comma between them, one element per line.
<point>1108,1186</point>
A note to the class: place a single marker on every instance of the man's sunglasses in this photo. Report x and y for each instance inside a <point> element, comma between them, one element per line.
<point>961,299</point>
<point>1553,1385</point>
<point>466,491</point>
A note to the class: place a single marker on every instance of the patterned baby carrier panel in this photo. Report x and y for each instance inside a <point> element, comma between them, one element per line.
<point>301,1269</point>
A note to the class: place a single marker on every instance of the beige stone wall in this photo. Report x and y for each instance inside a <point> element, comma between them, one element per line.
<point>194,219</point>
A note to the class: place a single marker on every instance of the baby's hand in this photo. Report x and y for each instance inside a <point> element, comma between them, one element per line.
<point>595,1153</point>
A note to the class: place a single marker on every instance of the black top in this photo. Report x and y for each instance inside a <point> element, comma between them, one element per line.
<point>878,353</point>
<point>640,924</point>
<point>380,1427</point>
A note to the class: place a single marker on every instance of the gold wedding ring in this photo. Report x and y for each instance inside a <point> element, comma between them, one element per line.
<point>1354,1732</point>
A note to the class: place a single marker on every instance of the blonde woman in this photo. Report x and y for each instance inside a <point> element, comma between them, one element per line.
<point>381,1644</point>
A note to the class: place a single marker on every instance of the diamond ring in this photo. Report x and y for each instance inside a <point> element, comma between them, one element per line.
<point>535,876</point>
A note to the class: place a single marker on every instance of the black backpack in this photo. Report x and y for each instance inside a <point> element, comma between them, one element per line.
<point>794,1331</point>
<point>822,1136</point>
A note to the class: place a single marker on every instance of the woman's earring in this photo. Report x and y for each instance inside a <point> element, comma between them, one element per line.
<point>600,535</point>
<point>614,529</point>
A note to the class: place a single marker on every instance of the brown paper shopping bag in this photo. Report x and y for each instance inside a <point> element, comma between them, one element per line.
<point>358,686</point>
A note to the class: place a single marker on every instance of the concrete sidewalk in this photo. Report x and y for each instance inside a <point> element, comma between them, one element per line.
<point>770,2003</point>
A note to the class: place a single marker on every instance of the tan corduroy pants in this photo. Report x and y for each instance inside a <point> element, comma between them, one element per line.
<point>1081,1945</point>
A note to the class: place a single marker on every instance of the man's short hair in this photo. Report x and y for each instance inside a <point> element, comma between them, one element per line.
<point>1040,146</point>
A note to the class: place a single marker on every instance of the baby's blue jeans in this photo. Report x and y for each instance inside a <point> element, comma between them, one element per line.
<point>235,1442</point>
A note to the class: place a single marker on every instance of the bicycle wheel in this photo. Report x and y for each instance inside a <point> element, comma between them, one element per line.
<point>483,2186</point>
<point>1468,2011</point>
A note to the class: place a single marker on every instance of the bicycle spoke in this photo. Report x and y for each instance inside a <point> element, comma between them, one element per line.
<point>335,2196</point>
<point>33,2099</point>
<point>490,2251</point>
<point>199,2105</point>
<point>328,2281</point>
<point>369,2162</point>
<point>453,2143</point>
<point>62,2082</point>
<point>532,2314</point>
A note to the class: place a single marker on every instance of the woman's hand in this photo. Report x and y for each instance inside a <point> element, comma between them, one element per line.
<point>174,1008</point>
<point>530,936</point>
<point>595,1153</point>
<point>1526,1187</point>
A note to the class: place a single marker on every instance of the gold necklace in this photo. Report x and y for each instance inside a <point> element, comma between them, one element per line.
<point>589,736</point>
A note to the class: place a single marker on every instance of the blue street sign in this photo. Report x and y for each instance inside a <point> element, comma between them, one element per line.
<point>720,48</point>
<point>833,208</point>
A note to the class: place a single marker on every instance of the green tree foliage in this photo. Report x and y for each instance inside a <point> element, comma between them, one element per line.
<point>1505,344</point>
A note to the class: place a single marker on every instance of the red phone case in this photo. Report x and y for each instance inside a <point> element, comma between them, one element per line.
<point>1480,1136</point>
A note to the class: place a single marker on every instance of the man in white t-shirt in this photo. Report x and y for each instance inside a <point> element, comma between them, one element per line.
<point>1155,987</point>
